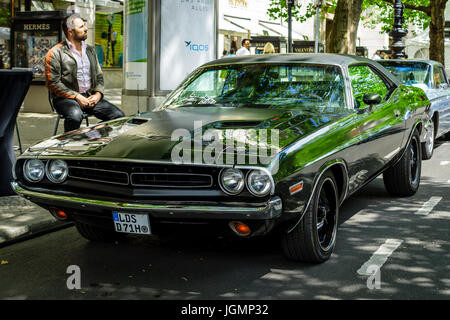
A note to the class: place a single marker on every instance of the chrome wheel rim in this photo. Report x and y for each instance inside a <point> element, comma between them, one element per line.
<point>413,162</point>
<point>429,144</point>
<point>326,216</point>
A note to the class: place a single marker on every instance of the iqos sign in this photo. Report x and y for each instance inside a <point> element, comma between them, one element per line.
<point>196,47</point>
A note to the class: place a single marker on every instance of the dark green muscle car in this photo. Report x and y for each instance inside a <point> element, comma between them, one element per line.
<point>243,147</point>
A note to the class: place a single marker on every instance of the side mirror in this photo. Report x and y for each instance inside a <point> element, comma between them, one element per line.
<point>372,99</point>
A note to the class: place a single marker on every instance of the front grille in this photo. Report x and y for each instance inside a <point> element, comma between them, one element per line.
<point>139,175</point>
<point>171,180</point>
<point>99,175</point>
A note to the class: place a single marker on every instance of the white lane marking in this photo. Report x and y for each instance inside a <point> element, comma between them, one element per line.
<point>444,163</point>
<point>379,257</point>
<point>428,206</point>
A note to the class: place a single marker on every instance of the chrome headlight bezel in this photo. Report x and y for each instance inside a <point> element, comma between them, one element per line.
<point>50,174</point>
<point>26,170</point>
<point>240,185</point>
<point>267,188</point>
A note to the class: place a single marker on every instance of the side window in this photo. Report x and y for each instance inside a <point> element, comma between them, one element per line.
<point>439,77</point>
<point>364,81</point>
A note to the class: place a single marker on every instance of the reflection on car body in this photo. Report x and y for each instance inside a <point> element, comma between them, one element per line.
<point>243,147</point>
<point>431,77</point>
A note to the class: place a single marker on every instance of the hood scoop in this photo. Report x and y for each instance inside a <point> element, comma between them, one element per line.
<point>138,121</point>
<point>236,124</point>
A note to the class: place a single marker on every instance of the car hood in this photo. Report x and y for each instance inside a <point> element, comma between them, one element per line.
<point>153,135</point>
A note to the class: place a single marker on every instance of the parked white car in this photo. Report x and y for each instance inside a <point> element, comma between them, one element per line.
<point>431,77</point>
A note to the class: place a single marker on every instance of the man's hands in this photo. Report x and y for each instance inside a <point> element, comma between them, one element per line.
<point>89,102</point>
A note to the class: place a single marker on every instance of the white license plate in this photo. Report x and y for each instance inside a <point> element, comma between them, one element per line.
<point>131,223</point>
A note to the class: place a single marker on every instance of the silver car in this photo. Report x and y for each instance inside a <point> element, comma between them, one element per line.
<point>431,77</point>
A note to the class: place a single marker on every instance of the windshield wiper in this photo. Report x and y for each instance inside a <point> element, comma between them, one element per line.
<point>198,100</point>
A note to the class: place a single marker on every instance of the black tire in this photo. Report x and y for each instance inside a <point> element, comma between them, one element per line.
<point>314,238</point>
<point>94,233</point>
<point>403,179</point>
<point>446,136</point>
<point>428,145</point>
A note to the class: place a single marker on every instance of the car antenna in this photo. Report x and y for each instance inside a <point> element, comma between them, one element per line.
<point>139,112</point>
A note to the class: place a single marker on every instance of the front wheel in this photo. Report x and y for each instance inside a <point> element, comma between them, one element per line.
<point>403,179</point>
<point>314,237</point>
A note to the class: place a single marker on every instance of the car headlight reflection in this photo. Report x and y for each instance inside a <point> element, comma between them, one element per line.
<point>232,181</point>
<point>34,170</point>
<point>259,183</point>
<point>57,171</point>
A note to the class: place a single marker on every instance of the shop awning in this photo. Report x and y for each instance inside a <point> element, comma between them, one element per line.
<point>105,6</point>
<point>247,25</point>
<point>280,30</point>
<point>225,25</point>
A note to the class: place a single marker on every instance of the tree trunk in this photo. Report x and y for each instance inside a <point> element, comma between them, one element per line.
<point>344,28</point>
<point>437,26</point>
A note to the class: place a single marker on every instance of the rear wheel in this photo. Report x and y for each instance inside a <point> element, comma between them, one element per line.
<point>403,179</point>
<point>428,145</point>
<point>314,237</point>
<point>94,233</point>
<point>447,136</point>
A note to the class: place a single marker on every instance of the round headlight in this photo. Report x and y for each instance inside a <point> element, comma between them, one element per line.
<point>57,171</point>
<point>258,183</point>
<point>34,170</point>
<point>232,181</point>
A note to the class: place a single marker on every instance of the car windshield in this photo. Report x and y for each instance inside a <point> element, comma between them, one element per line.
<point>409,73</point>
<point>262,85</point>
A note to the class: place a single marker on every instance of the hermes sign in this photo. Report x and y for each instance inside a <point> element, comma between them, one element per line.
<point>38,26</point>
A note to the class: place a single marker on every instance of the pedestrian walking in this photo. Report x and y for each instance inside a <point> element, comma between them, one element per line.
<point>268,48</point>
<point>377,55</point>
<point>245,49</point>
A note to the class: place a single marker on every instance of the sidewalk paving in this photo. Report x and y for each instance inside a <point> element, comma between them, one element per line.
<point>20,218</point>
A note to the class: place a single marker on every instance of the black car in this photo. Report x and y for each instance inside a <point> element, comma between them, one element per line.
<point>244,146</point>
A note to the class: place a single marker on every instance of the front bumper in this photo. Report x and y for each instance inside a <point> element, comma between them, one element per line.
<point>233,211</point>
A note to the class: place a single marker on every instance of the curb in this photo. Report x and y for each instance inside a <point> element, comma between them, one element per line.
<point>21,220</point>
<point>31,235</point>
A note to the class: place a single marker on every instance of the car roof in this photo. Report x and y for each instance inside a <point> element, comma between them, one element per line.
<point>329,58</point>
<point>431,62</point>
<point>343,60</point>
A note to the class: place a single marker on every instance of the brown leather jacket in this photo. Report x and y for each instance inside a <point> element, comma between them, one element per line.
<point>61,72</point>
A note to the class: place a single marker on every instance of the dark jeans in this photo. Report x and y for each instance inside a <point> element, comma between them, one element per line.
<point>73,114</point>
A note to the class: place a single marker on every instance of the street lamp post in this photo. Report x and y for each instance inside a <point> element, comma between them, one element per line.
<point>398,32</point>
<point>318,4</point>
<point>290,4</point>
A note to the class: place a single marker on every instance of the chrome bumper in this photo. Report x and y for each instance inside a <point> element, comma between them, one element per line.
<point>269,210</point>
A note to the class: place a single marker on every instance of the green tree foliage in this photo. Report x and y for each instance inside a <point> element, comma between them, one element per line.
<point>278,9</point>
<point>5,17</point>
<point>375,12</point>
<point>382,12</point>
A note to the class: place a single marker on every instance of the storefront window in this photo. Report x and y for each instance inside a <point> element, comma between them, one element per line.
<point>108,39</point>
<point>31,48</point>
<point>5,26</point>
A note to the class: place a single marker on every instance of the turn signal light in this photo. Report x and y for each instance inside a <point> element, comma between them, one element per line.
<point>58,214</point>
<point>296,188</point>
<point>239,228</point>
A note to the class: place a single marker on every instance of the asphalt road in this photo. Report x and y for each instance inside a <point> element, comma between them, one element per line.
<point>410,237</point>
